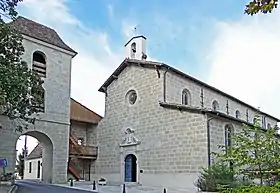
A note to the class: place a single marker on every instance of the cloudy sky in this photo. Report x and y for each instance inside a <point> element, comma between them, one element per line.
<point>210,40</point>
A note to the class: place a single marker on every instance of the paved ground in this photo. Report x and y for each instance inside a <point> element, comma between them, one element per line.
<point>132,189</point>
<point>4,189</point>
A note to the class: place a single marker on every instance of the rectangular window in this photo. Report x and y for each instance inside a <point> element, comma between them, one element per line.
<point>38,169</point>
<point>30,167</point>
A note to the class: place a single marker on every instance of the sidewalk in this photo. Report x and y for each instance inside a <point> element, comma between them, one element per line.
<point>129,189</point>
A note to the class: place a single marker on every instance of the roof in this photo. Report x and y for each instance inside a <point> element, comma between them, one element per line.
<point>81,113</point>
<point>40,32</point>
<point>158,65</point>
<point>141,36</point>
<point>36,152</point>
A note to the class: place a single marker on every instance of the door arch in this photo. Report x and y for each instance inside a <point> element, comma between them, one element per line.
<point>130,168</point>
<point>47,154</point>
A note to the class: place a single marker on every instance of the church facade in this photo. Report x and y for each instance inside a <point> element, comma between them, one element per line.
<point>161,125</point>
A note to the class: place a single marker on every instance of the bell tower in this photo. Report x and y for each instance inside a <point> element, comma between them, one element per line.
<point>135,48</point>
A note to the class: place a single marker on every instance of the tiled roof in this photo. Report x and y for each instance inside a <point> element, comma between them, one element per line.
<point>36,152</point>
<point>38,31</point>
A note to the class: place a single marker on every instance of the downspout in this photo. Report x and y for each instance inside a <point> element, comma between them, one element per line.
<point>209,141</point>
<point>164,84</point>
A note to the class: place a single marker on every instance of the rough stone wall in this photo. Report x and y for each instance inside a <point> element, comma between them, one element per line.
<point>172,142</point>
<point>79,130</point>
<point>54,123</point>
<point>92,135</point>
<point>176,84</point>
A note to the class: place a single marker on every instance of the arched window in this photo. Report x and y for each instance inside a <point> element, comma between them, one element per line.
<point>133,50</point>
<point>268,126</point>
<point>255,119</point>
<point>186,97</point>
<point>215,105</point>
<point>237,114</point>
<point>39,64</point>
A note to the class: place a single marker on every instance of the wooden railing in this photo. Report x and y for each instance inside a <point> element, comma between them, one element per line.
<point>76,150</point>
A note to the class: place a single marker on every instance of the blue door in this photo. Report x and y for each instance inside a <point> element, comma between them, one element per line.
<point>130,168</point>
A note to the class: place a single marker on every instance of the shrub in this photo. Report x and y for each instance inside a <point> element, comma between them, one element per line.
<point>253,189</point>
<point>216,176</point>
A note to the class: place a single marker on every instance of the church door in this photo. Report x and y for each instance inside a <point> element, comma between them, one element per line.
<point>130,169</point>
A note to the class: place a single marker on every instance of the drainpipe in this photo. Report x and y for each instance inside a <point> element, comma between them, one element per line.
<point>164,84</point>
<point>209,141</point>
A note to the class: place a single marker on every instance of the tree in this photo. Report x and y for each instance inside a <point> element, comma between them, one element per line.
<point>20,88</point>
<point>20,164</point>
<point>263,6</point>
<point>253,151</point>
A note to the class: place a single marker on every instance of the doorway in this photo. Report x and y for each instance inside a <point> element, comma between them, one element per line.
<point>130,169</point>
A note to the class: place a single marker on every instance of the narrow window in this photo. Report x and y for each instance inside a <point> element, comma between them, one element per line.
<point>215,105</point>
<point>30,167</point>
<point>39,64</point>
<point>228,140</point>
<point>237,114</point>
<point>39,169</point>
<point>133,50</point>
<point>185,97</point>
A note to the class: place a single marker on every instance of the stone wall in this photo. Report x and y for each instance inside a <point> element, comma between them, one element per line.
<point>176,84</point>
<point>173,143</point>
<point>52,127</point>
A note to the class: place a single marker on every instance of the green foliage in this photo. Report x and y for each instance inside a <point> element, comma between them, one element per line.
<point>7,8</point>
<point>253,189</point>
<point>20,89</point>
<point>253,151</point>
<point>263,6</point>
<point>216,175</point>
<point>20,165</point>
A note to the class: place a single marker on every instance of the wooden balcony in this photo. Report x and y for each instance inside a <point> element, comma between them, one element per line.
<point>82,151</point>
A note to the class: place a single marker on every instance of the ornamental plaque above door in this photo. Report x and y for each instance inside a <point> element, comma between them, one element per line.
<point>130,139</point>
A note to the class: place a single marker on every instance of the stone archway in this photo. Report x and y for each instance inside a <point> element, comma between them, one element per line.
<point>47,154</point>
<point>130,168</point>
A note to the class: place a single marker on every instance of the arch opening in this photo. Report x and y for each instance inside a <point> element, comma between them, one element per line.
<point>39,63</point>
<point>130,169</point>
<point>36,162</point>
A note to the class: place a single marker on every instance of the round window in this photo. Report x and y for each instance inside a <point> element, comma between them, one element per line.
<point>131,96</point>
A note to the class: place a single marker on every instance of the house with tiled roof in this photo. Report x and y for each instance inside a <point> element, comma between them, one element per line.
<point>82,146</point>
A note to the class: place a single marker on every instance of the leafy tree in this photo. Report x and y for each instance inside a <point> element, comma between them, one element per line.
<point>260,6</point>
<point>21,90</point>
<point>253,152</point>
<point>20,165</point>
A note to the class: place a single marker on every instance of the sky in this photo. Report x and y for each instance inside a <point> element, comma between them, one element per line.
<point>213,41</point>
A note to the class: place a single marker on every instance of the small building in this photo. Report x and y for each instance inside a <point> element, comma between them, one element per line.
<point>82,146</point>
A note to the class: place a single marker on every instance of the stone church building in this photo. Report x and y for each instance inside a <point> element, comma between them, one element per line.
<point>160,124</point>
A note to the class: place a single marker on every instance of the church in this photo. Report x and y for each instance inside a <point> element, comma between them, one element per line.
<point>159,127</point>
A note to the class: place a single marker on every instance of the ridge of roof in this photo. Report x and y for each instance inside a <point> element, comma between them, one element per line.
<point>40,32</point>
<point>153,64</point>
